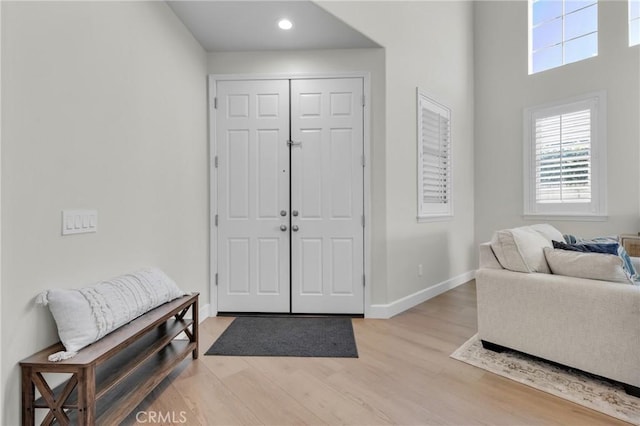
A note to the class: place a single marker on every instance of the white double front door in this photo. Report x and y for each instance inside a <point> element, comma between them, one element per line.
<point>290,195</point>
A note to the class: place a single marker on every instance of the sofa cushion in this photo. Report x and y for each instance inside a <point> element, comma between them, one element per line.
<point>548,231</point>
<point>632,273</point>
<point>521,249</point>
<point>85,315</point>
<point>595,266</point>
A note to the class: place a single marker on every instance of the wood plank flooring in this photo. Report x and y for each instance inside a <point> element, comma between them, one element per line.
<point>404,376</point>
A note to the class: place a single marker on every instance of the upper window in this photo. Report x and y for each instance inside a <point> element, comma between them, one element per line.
<point>634,22</point>
<point>561,32</point>
<point>565,158</point>
<point>434,159</point>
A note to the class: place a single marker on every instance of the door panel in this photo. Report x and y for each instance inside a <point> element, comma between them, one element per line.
<point>326,189</point>
<point>252,129</point>
<point>327,192</point>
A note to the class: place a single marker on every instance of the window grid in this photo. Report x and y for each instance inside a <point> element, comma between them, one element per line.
<point>562,43</point>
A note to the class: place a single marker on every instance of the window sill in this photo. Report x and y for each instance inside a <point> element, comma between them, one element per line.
<point>426,219</point>
<point>569,218</point>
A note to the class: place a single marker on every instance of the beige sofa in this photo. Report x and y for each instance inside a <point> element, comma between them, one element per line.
<point>591,325</point>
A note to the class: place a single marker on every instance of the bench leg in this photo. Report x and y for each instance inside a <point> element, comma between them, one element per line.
<point>87,396</point>
<point>28,395</point>
<point>196,319</point>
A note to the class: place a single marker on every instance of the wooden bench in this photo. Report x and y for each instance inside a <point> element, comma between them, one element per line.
<point>110,377</point>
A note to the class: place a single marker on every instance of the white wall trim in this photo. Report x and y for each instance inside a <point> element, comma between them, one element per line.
<point>596,209</point>
<point>213,175</point>
<point>394,308</point>
<point>204,313</point>
<point>213,198</point>
<point>2,374</point>
<point>289,76</point>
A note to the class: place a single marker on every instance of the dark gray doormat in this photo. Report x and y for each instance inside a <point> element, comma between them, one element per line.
<point>287,336</point>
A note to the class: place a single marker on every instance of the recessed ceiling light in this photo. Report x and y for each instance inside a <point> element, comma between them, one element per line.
<point>285,24</point>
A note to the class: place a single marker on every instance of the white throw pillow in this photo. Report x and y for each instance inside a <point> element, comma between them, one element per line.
<point>548,231</point>
<point>595,266</point>
<point>85,315</point>
<point>521,249</point>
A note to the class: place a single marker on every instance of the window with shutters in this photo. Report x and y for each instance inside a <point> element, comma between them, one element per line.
<point>565,158</point>
<point>561,32</point>
<point>434,160</point>
<point>634,22</point>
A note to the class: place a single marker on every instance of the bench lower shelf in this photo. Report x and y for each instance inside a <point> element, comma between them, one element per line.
<point>125,367</point>
<point>116,404</point>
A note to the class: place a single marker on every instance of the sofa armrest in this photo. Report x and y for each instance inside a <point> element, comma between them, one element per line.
<point>487,257</point>
<point>587,324</point>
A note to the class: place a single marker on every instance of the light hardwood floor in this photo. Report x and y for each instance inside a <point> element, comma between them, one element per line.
<point>403,376</point>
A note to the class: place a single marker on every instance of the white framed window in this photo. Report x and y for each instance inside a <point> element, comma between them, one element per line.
<point>634,22</point>
<point>434,159</point>
<point>561,32</point>
<point>565,159</point>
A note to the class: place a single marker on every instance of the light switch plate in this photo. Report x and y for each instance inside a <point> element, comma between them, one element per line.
<point>79,221</point>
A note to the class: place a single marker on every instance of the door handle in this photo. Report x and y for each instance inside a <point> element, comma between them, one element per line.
<point>283,213</point>
<point>295,228</point>
<point>283,228</point>
<point>293,143</point>
<point>294,213</point>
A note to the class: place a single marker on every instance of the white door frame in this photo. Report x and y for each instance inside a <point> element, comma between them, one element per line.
<point>213,175</point>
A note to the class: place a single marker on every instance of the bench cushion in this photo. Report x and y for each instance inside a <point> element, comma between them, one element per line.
<point>85,315</point>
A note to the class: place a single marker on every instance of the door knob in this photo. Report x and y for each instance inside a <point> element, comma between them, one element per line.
<point>295,228</point>
<point>294,213</point>
<point>283,228</point>
<point>283,212</point>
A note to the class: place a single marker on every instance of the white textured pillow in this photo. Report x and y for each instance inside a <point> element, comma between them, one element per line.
<point>595,266</point>
<point>85,315</point>
<point>521,249</point>
<point>548,231</point>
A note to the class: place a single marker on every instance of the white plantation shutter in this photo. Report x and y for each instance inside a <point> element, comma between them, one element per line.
<point>563,158</point>
<point>434,159</point>
<point>565,153</point>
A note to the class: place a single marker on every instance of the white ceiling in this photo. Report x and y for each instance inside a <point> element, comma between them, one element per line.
<point>252,25</point>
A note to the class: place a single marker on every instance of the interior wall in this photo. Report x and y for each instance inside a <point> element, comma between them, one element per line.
<point>504,89</point>
<point>427,45</point>
<point>331,61</point>
<point>103,107</point>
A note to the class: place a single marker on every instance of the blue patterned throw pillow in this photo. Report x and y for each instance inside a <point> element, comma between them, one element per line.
<point>605,248</point>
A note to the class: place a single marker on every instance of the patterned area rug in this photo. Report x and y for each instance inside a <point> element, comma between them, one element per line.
<point>575,386</point>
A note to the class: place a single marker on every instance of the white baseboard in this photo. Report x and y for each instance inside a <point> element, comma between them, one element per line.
<point>394,308</point>
<point>203,312</point>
